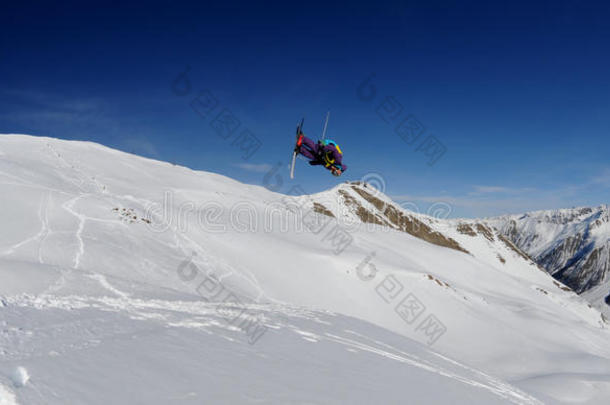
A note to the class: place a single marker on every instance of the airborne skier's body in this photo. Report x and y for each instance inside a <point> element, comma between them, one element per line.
<point>324,152</point>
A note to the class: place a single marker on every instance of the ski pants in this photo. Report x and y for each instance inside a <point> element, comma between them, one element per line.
<point>309,149</point>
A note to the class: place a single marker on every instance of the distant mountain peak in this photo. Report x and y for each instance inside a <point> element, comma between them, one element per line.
<point>572,244</point>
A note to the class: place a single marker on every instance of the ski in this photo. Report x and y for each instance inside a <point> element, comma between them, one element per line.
<point>294,159</point>
<point>325,125</point>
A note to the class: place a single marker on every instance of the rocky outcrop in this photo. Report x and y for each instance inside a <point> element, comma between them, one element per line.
<point>368,205</point>
<point>400,220</point>
<point>320,209</point>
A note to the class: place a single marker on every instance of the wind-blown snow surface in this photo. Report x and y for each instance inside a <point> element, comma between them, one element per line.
<point>229,294</point>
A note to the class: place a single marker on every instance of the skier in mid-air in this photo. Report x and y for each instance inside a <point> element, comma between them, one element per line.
<point>325,152</point>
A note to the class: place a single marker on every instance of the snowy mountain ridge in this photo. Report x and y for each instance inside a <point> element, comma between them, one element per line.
<point>136,280</point>
<point>573,245</point>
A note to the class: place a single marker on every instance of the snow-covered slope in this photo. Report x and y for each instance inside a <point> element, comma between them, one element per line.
<point>124,279</point>
<point>571,244</point>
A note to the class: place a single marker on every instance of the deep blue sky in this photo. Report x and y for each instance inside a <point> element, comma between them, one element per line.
<point>518,92</point>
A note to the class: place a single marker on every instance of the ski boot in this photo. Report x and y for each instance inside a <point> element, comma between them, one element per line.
<point>297,147</point>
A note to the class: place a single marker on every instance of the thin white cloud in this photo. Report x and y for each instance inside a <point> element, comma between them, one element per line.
<point>56,112</point>
<point>37,100</point>
<point>257,168</point>
<point>491,189</point>
<point>485,201</point>
<point>500,190</point>
<point>471,206</point>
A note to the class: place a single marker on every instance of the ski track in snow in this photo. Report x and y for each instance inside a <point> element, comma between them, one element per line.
<point>213,264</point>
<point>501,388</point>
<point>44,219</point>
<point>105,284</point>
<point>41,235</point>
<point>493,385</point>
<point>82,179</point>
<point>69,206</point>
<point>203,258</point>
<point>204,316</point>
